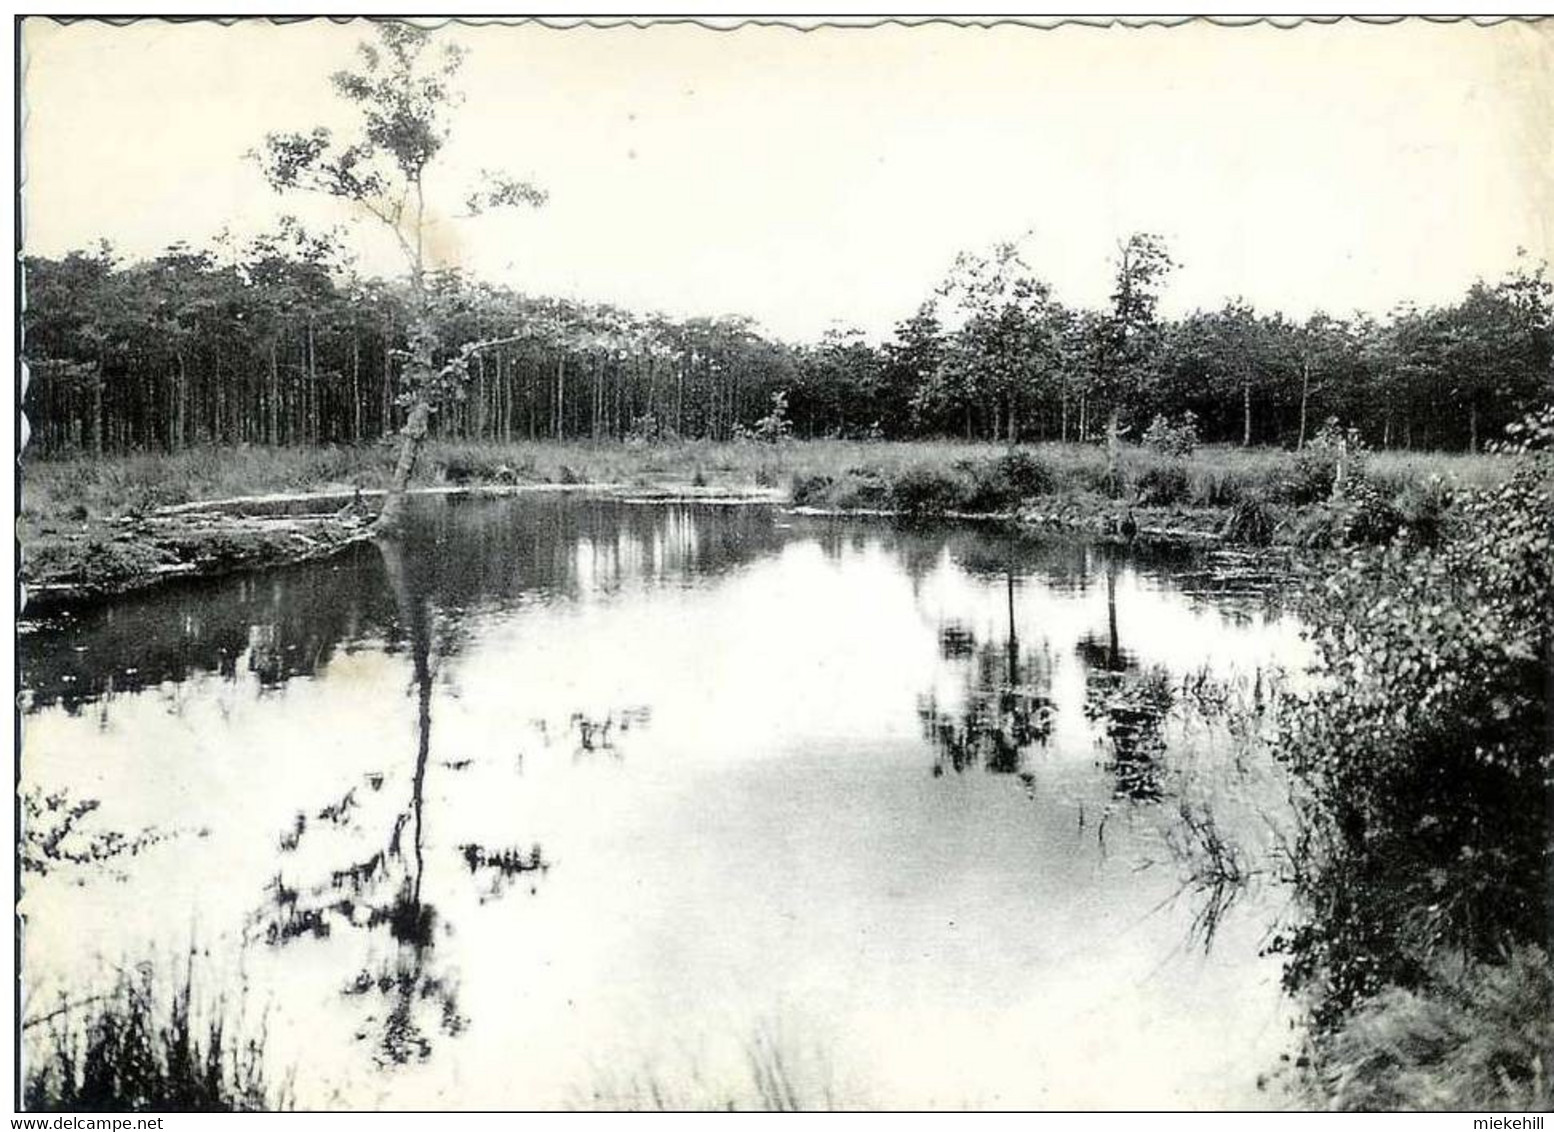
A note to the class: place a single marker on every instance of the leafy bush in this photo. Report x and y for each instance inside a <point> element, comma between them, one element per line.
<point>459,470</point>
<point>863,491</point>
<point>1423,754</point>
<point>1179,439</point>
<point>1162,485</point>
<point>1367,517</point>
<point>467,467</point>
<point>810,491</point>
<point>1314,474</point>
<point>774,427</point>
<point>1000,484</point>
<point>986,489</point>
<point>1424,508</point>
<point>921,491</point>
<point>1027,474</point>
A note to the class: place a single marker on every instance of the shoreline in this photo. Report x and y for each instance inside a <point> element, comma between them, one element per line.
<point>102,559</point>
<point>91,560</point>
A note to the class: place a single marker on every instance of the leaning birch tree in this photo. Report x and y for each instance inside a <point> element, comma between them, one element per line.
<point>403,92</point>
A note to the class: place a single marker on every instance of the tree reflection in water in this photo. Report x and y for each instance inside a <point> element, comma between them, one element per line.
<point>1129,703</point>
<point>1006,706</point>
<point>383,895</point>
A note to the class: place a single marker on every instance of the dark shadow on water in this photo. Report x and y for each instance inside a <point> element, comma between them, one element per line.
<point>1006,706</point>
<point>383,894</point>
<point>468,556</point>
<point>1128,704</point>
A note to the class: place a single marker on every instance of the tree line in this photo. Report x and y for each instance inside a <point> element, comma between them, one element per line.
<point>280,344</point>
<point>279,341</point>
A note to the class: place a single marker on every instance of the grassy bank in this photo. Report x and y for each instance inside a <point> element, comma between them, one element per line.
<point>93,527</point>
<point>824,472</point>
<point>1471,1038</point>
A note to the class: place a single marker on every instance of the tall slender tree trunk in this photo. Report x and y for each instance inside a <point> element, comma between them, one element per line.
<point>272,414</point>
<point>181,405</point>
<point>561,393</point>
<point>679,399</point>
<point>386,410</point>
<point>597,424</point>
<point>413,435</point>
<point>1113,453</point>
<point>313,424</point>
<point>356,383</point>
<point>419,381</point>
<point>1472,426</point>
<point>1246,413</point>
<point>1305,397</point>
<point>97,410</point>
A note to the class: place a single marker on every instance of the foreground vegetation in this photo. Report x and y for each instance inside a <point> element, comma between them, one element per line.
<point>146,1046</point>
<point>1426,798</point>
<point>1472,1037</point>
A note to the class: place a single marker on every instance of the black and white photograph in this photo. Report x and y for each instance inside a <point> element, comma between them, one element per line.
<point>784,564</point>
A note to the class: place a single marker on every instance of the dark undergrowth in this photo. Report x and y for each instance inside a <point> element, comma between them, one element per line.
<point>1425,778</point>
<point>1466,1039</point>
<point>144,1046</point>
<point>1322,498</point>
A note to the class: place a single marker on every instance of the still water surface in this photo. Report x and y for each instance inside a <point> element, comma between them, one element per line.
<point>566,794</point>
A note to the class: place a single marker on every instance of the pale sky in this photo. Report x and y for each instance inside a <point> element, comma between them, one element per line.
<point>830,176</point>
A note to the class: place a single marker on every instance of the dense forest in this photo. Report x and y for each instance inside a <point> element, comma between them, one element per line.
<point>280,341</point>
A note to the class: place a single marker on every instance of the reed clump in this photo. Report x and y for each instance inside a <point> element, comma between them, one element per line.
<point>146,1046</point>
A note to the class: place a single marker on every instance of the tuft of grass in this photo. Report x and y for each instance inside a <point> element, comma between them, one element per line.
<point>1480,1040</point>
<point>1163,485</point>
<point>1251,523</point>
<point>142,1048</point>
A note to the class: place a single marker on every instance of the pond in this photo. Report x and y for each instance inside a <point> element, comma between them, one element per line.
<point>564,800</point>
